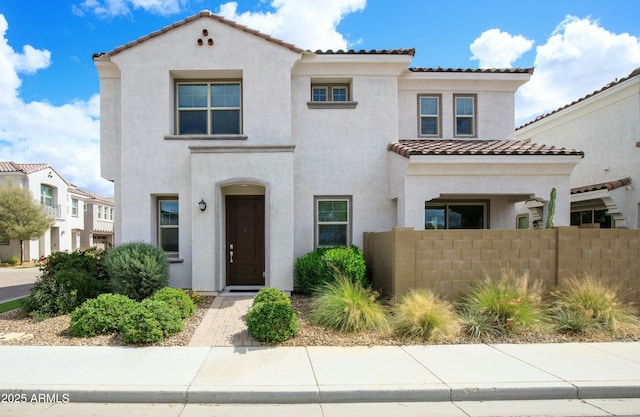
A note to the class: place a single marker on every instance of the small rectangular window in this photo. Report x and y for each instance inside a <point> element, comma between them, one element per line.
<point>168,226</point>
<point>429,115</point>
<point>330,92</point>
<point>333,221</point>
<point>74,207</point>
<point>465,116</point>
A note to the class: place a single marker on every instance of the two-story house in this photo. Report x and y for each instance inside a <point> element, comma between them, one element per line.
<point>63,200</point>
<point>98,221</point>
<point>606,125</point>
<point>236,152</point>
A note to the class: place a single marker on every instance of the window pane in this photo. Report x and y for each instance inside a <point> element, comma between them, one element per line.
<point>169,239</point>
<point>586,217</point>
<point>523,222</point>
<point>332,234</point>
<point>333,211</point>
<point>225,121</point>
<point>465,217</point>
<point>434,218</point>
<point>464,126</point>
<point>464,106</point>
<point>429,126</point>
<point>169,213</point>
<point>192,95</point>
<point>225,95</point>
<point>319,94</point>
<point>603,218</point>
<point>193,122</point>
<point>429,106</point>
<point>339,94</point>
<point>575,218</point>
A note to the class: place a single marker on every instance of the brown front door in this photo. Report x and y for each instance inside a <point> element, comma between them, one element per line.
<point>245,240</point>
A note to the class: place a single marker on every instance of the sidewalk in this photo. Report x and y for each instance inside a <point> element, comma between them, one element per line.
<point>322,375</point>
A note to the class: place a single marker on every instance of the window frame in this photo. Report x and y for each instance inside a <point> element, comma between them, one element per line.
<point>317,223</point>
<point>161,227</point>
<point>74,207</point>
<point>446,203</point>
<point>438,116</point>
<point>209,107</point>
<point>592,212</point>
<point>330,89</point>
<point>473,116</point>
<point>46,200</point>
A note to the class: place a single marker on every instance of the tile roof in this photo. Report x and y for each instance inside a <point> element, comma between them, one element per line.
<point>611,185</point>
<point>204,13</point>
<point>409,51</point>
<point>23,168</point>
<point>477,70</point>
<point>407,148</point>
<point>613,83</point>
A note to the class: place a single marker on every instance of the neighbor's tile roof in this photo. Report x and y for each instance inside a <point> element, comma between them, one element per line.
<point>23,168</point>
<point>611,185</point>
<point>613,83</point>
<point>204,13</point>
<point>408,51</point>
<point>407,148</point>
<point>476,70</point>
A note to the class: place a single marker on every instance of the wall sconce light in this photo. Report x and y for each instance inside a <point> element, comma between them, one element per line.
<point>202,205</point>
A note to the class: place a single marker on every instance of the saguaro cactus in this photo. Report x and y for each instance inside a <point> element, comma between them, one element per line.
<point>552,208</point>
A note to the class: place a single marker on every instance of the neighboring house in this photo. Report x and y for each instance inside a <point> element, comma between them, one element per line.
<point>236,152</point>
<point>606,126</point>
<point>63,201</point>
<point>98,221</point>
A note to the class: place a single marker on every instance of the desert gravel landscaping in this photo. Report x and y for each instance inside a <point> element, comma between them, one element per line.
<point>54,332</point>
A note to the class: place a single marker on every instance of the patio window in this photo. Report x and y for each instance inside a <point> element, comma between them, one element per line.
<point>439,216</point>
<point>168,225</point>
<point>601,218</point>
<point>213,108</point>
<point>333,221</point>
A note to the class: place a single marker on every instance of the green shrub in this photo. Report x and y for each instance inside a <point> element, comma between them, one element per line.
<point>151,321</point>
<point>272,321</point>
<point>67,279</point>
<point>271,295</point>
<point>177,299</point>
<point>12,261</point>
<point>137,270</point>
<point>421,314</point>
<point>315,268</point>
<point>61,293</point>
<point>585,304</point>
<point>102,315</point>
<point>347,306</point>
<point>501,305</point>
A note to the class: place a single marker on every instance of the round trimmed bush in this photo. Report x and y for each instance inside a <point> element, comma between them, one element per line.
<point>137,270</point>
<point>272,321</point>
<point>151,321</point>
<point>270,295</point>
<point>177,299</point>
<point>102,315</point>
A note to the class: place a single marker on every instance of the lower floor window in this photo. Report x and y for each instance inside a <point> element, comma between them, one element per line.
<point>583,217</point>
<point>168,226</point>
<point>333,221</point>
<point>439,216</point>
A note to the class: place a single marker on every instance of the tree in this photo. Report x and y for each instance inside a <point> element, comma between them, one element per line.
<point>21,217</point>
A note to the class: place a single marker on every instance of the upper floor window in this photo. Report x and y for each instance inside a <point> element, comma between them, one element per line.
<point>330,92</point>
<point>46,195</point>
<point>212,108</point>
<point>99,212</point>
<point>110,213</point>
<point>74,207</point>
<point>465,115</point>
<point>429,115</point>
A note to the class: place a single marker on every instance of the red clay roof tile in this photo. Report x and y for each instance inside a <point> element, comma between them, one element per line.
<point>611,185</point>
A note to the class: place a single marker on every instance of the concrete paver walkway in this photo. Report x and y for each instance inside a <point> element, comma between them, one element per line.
<point>223,324</point>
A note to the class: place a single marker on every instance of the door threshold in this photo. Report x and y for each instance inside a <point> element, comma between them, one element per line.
<point>241,290</point>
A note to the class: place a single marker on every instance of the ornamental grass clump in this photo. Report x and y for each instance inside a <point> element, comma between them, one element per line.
<point>347,306</point>
<point>586,304</point>
<point>422,314</point>
<point>498,306</point>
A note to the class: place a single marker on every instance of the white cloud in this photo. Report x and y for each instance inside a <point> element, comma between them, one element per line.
<point>309,24</point>
<point>66,137</point>
<point>579,58</point>
<point>497,49</point>
<point>112,8</point>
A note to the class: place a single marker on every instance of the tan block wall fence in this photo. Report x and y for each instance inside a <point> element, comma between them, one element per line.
<point>448,261</point>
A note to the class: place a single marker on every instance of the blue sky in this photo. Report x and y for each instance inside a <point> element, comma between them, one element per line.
<point>49,86</point>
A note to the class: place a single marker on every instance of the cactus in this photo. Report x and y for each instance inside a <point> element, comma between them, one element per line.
<point>552,208</point>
